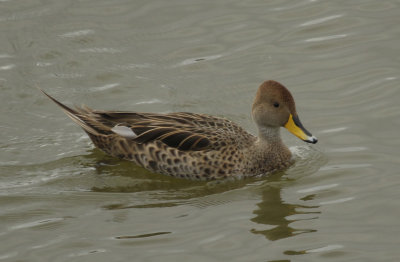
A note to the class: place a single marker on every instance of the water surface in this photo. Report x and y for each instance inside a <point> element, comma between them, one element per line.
<point>62,200</point>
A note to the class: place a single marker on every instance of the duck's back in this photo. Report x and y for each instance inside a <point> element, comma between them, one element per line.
<point>181,144</point>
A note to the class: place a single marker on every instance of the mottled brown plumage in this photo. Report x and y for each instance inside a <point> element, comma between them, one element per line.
<point>198,146</point>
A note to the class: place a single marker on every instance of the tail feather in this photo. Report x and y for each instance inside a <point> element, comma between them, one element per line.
<point>74,115</point>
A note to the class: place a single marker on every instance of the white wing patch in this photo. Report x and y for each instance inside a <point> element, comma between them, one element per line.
<point>124,131</point>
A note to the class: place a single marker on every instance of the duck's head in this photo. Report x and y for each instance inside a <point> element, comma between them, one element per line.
<point>274,107</point>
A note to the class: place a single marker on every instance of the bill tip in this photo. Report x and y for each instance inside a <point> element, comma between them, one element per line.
<point>311,139</point>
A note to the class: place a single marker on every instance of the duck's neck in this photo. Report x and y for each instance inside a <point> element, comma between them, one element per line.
<point>271,148</point>
<point>270,136</point>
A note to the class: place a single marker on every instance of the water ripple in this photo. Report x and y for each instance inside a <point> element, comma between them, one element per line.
<point>198,59</point>
<point>321,20</point>
<point>336,201</point>
<point>347,149</point>
<point>109,50</point>
<point>143,235</point>
<point>104,87</point>
<point>87,252</point>
<point>334,130</point>
<point>78,33</point>
<point>325,248</point>
<point>343,166</point>
<point>5,56</point>
<point>7,67</point>
<point>151,101</point>
<point>325,38</point>
<point>44,222</point>
<point>317,188</point>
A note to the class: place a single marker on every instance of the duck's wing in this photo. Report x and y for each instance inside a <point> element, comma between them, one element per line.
<point>184,131</point>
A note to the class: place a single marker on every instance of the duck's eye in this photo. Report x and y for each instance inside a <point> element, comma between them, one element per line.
<point>276,104</point>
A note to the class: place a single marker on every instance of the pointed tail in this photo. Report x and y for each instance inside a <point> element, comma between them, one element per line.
<point>74,115</point>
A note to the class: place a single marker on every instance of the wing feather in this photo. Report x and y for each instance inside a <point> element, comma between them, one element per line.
<point>182,130</point>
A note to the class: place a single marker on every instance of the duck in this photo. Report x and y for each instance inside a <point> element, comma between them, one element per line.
<point>198,146</point>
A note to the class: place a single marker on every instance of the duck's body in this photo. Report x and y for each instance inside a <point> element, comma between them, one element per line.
<point>196,146</point>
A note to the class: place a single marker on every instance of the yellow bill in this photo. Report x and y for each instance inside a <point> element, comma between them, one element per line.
<point>296,128</point>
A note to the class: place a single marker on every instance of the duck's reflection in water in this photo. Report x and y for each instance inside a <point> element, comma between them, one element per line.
<point>273,211</point>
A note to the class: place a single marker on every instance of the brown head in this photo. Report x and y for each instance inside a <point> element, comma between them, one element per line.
<point>274,107</point>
